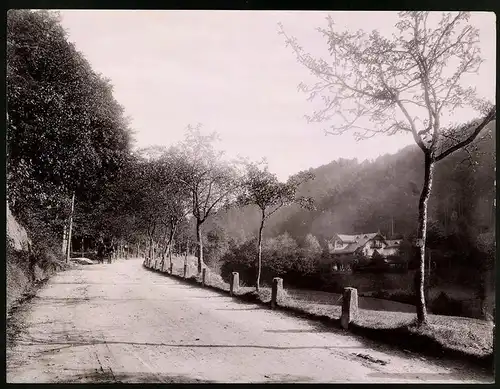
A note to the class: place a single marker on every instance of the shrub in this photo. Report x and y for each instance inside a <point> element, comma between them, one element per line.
<point>444,305</point>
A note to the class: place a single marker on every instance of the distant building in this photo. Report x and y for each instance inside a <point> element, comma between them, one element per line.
<point>392,247</point>
<point>344,247</point>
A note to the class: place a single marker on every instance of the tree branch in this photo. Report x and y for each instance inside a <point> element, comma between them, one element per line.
<point>489,117</point>
<point>416,137</point>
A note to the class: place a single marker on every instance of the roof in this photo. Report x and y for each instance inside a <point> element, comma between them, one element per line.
<point>351,248</point>
<point>356,238</point>
<point>393,242</point>
<point>355,242</point>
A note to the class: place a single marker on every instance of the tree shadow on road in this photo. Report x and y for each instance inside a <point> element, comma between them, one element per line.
<point>95,283</point>
<point>240,309</point>
<point>414,376</point>
<point>300,331</point>
<point>109,376</point>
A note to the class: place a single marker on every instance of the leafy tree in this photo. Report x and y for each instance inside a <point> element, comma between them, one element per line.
<point>262,188</point>
<point>63,120</point>
<point>210,181</point>
<point>65,131</point>
<point>282,254</point>
<point>408,83</point>
<point>171,196</point>
<point>312,248</point>
<point>157,201</point>
<point>240,258</point>
<point>217,245</point>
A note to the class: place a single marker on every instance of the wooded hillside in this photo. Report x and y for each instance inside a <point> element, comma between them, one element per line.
<point>356,197</point>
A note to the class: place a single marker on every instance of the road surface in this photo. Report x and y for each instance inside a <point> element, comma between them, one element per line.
<point>122,323</point>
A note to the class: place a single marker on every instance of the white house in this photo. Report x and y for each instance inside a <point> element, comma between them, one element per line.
<point>366,244</point>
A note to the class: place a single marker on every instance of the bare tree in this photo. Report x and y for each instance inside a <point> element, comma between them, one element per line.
<point>174,195</point>
<point>410,82</point>
<point>210,180</point>
<point>262,188</point>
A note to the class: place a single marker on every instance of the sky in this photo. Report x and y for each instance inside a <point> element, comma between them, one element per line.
<point>231,72</point>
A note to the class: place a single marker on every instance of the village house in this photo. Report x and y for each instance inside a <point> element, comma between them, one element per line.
<point>344,248</point>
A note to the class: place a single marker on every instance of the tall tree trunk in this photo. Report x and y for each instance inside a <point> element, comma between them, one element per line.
<point>151,240</point>
<point>259,257</point>
<point>171,242</point>
<point>170,255</point>
<point>168,246</point>
<point>422,236</point>
<point>200,246</point>
<point>150,251</point>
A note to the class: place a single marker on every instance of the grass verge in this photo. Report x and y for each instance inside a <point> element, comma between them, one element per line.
<point>451,337</point>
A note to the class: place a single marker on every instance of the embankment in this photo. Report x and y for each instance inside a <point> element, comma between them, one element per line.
<point>25,266</point>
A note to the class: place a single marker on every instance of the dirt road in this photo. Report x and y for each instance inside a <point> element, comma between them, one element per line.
<point>122,323</point>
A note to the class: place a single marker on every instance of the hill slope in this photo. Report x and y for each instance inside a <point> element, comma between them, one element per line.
<point>383,195</point>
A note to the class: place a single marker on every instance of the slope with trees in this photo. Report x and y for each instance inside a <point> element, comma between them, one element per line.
<point>66,134</point>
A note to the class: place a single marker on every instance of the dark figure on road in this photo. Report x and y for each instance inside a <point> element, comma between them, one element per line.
<point>101,251</point>
<point>109,251</point>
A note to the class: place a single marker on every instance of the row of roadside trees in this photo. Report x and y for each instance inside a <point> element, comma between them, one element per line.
<point>70,161</point>
<point>169,193</point>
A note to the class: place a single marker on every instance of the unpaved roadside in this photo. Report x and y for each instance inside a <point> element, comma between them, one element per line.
<point>122,323</point>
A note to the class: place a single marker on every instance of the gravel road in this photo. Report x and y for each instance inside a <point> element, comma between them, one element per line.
<point>122,323</point>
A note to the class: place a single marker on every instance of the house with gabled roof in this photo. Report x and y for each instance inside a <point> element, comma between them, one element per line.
<point>343,245</point>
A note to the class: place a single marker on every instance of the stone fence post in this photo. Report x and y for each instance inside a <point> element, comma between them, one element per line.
<point>349,306</point>
<point>203,276</point>
<point>235,283</point>
<point>276,291</point>
<point>185,271</point>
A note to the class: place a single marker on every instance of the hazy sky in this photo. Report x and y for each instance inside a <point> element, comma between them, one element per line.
<point>230,71</point>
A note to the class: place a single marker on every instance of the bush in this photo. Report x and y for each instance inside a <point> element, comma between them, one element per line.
<point>444,305</point>
<point>241,259</point>
<point>281,257</point>
<point>215,247</point>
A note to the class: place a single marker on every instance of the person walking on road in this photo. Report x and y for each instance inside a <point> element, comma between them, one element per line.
<point>100,251</point>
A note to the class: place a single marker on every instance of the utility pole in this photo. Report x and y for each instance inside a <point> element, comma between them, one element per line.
<point>68,253</point>
<point>392,227</point>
